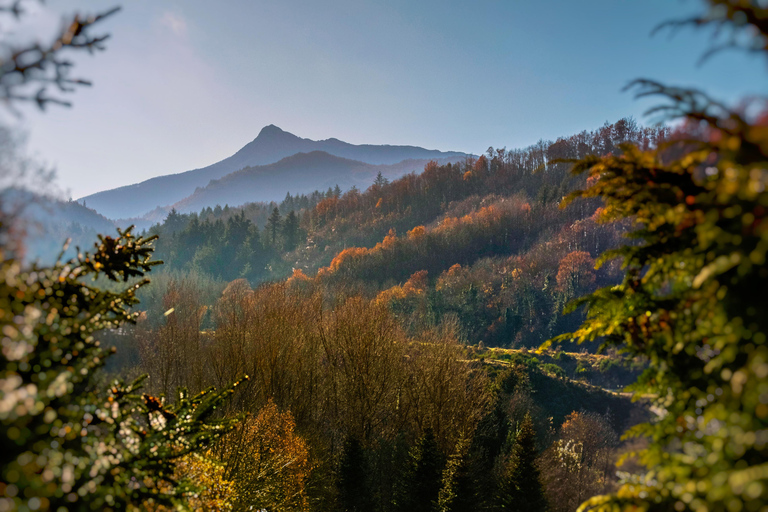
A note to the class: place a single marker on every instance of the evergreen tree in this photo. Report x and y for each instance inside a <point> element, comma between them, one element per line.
<point>174,222</point>
<point>252,258</point>
<point>380,180</point>
<point>522,489</point>
<point>488,442</point>
<point>458,491</point>
<point>238,228</point>
<point>231,247</point>
<point>273,225</point>
<point>352,479</point>
<point>693,298</point>
<point>336,191</point>
<point>394,472</point>
<point>288,202</point>
<point>291,231</point>
<point>65,442</point>
<point>427,463</point>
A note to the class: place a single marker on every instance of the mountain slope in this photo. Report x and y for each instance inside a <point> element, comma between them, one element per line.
<point>301,173</point>
<point>271,145</point>
<point>48,222</point>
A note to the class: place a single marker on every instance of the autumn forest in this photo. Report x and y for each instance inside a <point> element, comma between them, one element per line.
<point>579,324</point>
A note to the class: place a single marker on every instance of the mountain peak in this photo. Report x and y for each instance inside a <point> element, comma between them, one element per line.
<point>270,146</point>
<point>270,130</point>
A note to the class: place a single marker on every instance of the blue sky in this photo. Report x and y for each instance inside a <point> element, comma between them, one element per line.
<point>185,83</point>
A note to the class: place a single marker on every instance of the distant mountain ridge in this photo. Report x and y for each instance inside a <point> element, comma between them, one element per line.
<point>301,173</point>
<point>270,146</point>
<point>49,221</point>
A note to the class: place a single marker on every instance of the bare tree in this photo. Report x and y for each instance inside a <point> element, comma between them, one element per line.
<point>580,463</point>
<point>27,71</point>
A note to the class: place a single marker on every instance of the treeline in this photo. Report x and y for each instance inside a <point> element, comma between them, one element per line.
<point>498,228</point>
<point>363,219</point>
<point>230,243</point>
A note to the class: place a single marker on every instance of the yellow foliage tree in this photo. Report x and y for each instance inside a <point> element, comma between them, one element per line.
<point>217,493</point>
<point>267,462</point>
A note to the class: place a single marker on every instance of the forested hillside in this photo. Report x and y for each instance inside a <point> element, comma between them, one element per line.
<point>354,411</point>
<point>482,241</point>
<point>297,174</point>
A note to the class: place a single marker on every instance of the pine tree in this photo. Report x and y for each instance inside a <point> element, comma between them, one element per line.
<point>489,440</point>
<point>291,231</point>
<point>288,202</point>
<point>427,463</point>
<point>174,221</point>
<point>380,180</point>
<point>273,225</point>
<point>457,493</point>
<point>521,488</point>
<point>352,479</point>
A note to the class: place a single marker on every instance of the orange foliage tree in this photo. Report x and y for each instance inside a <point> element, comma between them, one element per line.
<point>576,273</point>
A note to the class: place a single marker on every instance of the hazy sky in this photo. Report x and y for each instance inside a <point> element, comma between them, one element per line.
<point>185,83</point>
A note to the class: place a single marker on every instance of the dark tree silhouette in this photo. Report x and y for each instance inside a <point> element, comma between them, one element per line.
<point>273,225</point>
<point>522,489</point>
<point>290,231</point>
<point>352,480</point>
<point>426,474</point>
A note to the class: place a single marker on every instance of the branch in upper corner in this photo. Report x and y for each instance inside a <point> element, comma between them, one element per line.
<point>23,67</point>
<point>736,24</point>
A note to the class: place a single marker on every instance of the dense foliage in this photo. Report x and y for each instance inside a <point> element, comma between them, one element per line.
<point>367,398</point>
<point>693,297</point>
